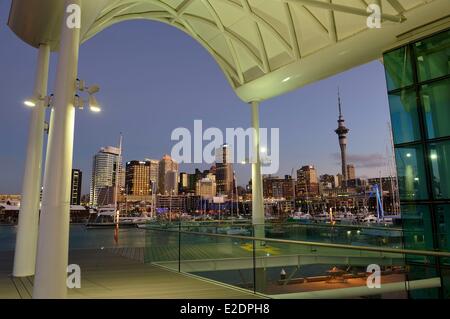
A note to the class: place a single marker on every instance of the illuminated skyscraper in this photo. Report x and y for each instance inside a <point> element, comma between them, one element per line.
<point>137,178</point>
<point>106,168</point>
<point>307,181</point>
<point>206,187</point>
<point>224,171</point>
<point>168,176</point>
<point>154,173</point>
<point>351,172</point>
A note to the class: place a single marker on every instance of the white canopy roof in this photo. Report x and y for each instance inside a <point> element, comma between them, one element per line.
<point>264,47</point>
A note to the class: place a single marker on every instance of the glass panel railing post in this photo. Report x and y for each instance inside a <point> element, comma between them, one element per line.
<point>179,246</point>
<point>254,264</point>
<point>261,253</point>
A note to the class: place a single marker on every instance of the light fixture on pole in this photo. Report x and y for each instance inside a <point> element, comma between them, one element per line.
<point>93,104</point>
<point>33,101</point>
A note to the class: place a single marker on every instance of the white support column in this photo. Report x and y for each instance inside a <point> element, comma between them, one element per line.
<point>27,230</point>
<point>257,183</point>
<point>258,215</point>
<point>53,243</point>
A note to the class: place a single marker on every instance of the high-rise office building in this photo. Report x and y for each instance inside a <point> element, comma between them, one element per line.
<point>307,181</point>
<point>351,172</point>
<point>331,181</point>
<point>339,180</point>
<point>154,171</point>
<point>137,178</point>
<point>342,132</point>
<point>418,80</point>
<point>75,187</point>
<point>183,186</point>
<point>193,179</point>
<point>278,188</point>
<point>224,171</point>
<point>106,168</point>
<point>171,182</point>
<point>206,187</point>
<point>168,176</point>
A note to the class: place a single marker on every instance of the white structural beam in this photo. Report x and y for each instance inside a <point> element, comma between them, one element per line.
<point>27,230</point>
<point>230,45</point>
<point>332,29</point>
<point>263,22</point>
<point>397,6</point>
<point>292,31</point>
<point>53,243</point>
<point>346,9</point>
<point>257,183</point>
<point>261,45</point>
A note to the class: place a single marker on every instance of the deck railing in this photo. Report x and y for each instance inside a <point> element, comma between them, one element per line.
<point>292,268</point>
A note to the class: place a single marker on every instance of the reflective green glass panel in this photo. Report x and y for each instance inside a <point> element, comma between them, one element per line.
<point>404,116</point>
<point>398,67</point>
<point>417,229</point>
<point>445,273</point>
<point>436,104</point>
<point>411,173</point>
<point>443,225</point>
<point>439,158</point>
<point>433,56</point>
<point>422,272</point>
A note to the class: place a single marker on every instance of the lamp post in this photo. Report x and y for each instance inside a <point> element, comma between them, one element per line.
<point>257,186</point>
<point>53,242</point>
<point>27,229</point>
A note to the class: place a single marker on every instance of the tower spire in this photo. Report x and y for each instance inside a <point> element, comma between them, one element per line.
<point>339,103</point>
<point>342,132</point>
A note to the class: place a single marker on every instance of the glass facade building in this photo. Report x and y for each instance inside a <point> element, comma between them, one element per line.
<point>418,81</point>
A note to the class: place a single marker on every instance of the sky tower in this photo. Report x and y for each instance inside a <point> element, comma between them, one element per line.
<point>342,132</point>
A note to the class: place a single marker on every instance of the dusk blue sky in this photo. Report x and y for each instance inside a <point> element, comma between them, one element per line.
<point>154,78</point>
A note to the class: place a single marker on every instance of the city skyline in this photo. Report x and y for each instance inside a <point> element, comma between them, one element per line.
<point>308,112</point>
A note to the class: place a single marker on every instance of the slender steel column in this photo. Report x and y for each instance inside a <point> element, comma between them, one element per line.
<point>53,243</point>
<point>258,215</point>
<point>27,230</point>
<point>257,183</point>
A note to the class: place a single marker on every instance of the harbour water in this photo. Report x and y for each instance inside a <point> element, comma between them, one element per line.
<point>82,238</point>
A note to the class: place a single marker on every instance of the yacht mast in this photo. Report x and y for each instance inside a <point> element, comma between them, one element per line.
<point>118,169</point>
<point>237,194</point>
<point>293,190</point>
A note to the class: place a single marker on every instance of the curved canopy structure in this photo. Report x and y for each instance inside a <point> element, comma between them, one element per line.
<point>264,47</point>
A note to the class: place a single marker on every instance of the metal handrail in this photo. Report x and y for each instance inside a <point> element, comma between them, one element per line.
<point>316,244</point>
<point>212,224</point>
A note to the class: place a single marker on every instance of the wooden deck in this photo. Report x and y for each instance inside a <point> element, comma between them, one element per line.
<point>106,274</point>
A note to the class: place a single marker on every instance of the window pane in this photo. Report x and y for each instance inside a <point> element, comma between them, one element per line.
<point>445,273</point>
<point>433,56</point>
<point>440,165</point>
<point>411,173</point>
<point>417,230</point>
<point>443,224</point>
<point>436,105</point>
<point>398,67</point>
<point>404,117</point>
<point>418,272</point>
